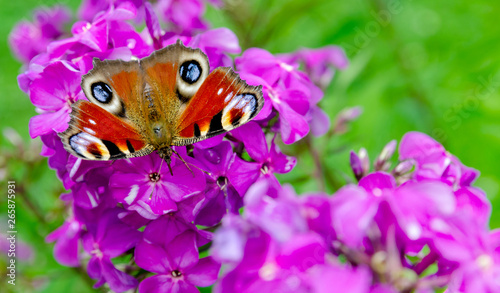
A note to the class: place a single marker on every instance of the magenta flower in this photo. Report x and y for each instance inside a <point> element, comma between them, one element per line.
<point>433,162</point>
<point>175,225</point>
<point>67,237</point>
<point>177,264</point>
<point>290,91</point>
<point>418,226</point>
<point>53,93</point>
<point>140,185</point>
<point>57,157</point>
<point>320,64</point>
<point>216,43</point>
<point>220,194</point>
<point>278,214</point>
<point>111,238</point>
<point>335,278</point>
<point>107,28</point>
<point>268,160</point>
<point>480,265</point>
<point>29,39</point>
<point>184,16</point>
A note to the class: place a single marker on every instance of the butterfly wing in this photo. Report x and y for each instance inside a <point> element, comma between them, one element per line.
<point>173,75</point>
<point>96,134</point>
<point>109,126</point>
<point>223,102</point>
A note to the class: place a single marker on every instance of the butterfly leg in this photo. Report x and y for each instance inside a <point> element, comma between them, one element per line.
<point>185,163</point>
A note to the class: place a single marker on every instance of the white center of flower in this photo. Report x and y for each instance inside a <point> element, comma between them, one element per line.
<point>413,230</point>
<point>485,262</point>
<point>268,271</point>
<point>309,213</point>
<point>377,192</point>
<point>96,251</point>
<point>87,27</point>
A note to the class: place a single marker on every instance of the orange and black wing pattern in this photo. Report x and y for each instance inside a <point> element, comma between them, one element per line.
<point>223,102</point>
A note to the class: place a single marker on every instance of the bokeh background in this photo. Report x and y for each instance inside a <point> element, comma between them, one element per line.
<point>431,66</point>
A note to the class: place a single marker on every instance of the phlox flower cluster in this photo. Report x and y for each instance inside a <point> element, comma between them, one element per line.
<point>228,222</point>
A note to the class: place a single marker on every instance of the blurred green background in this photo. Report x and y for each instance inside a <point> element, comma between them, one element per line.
<point>431,66</point>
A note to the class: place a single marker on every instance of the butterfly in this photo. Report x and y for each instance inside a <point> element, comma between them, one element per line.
<point>169,98</point>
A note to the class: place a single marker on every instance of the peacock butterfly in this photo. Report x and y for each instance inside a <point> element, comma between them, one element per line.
<point>166,99</point>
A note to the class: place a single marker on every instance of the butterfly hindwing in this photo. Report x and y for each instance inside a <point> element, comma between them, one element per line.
<point>96,134</point>
<point>222,103</point>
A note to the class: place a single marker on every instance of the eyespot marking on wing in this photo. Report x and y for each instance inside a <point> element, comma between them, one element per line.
<point>101,92</point>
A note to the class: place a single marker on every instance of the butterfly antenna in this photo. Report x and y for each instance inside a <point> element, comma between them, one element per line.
<point>185,163</point>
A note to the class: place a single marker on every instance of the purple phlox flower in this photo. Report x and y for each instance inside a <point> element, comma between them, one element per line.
<point>153,26</point>
<point>28,39</point>
<point>229,241</point>
<point>268,249</point>
<point>292,106</point>
<point>183,16</point>
<point>268,160</point>
<point>352,214</point>
<point>111,239</point>
<point>57,157</point>
<point>95,36</point>
<point>336,278</point>
<point>89,8</point>
<point>473,201</point>
<point>290,91</point>
<point>91,181</point>
<point>433,161</point>
<point>216,43</point>
<point>67,237</point>
<point>319,64</point>
<point>53,92</point>
<point>86,37</point>
<point>279,215</point>
<point>177,265</point>
<point>85,62</point>
<point>210,142</point>
<point>33,71</point>
<point>415,209</point>
<point>386,288</point>
<point>316,210</point>
<point>175,225</point>
<point>220,194</point>
<point>267,266</point>
<point>319,121</point>
<point>479,257</point>
<point>140,185</point>
<point>133,219</point>
<point>123,34</point>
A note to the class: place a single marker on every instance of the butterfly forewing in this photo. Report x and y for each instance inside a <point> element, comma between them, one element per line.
<point>116,86</point>
<point>222,103</point>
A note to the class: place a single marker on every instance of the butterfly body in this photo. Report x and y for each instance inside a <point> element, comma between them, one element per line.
<point>167,99</point>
